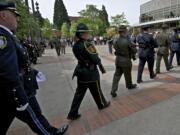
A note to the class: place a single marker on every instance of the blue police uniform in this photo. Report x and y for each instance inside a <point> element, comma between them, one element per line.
<point>31,86</point>
<point>146,54</point>
<point>174,48</point>
<point>13,98</point>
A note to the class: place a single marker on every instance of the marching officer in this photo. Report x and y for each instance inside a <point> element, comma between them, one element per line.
<point>63,46</point>
<point>86,72</point>
<point>163,43</point>
<point>57,44</point>
<point>146,44</point>
<point>175,47</point>
<point>30,85</point>
<point>13,98</point>
<point>124,51</point>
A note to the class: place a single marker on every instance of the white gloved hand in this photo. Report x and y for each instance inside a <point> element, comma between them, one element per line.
<point>22,108</point>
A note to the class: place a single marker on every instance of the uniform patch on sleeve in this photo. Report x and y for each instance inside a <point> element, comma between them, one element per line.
<point>91,49</point>
<point>3,42</point>
<point>179,36</point>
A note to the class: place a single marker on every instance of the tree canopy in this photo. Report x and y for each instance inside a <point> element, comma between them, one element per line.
<point>91,17</point>
<point>60,14</point>
<point>65,30</point>
<point>118,20</point>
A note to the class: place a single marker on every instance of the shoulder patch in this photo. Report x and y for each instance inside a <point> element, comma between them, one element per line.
<point>3,42</point>
<point>179,36</point>
<point>90,48</point>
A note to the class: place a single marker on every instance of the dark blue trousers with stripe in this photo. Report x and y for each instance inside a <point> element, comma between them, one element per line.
<point>8,113</point>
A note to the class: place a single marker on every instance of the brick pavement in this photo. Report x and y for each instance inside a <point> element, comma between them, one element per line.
<point>121,107</point>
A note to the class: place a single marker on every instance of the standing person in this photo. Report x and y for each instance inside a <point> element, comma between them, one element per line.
<point>124,52</point>
<point>57,44</point>
<point>175,47</point>
<point>63,46</point>
<point>30,85</point>
<point>86,72</point>
<point>163,42</point>
<point>110,44</point>
<point>146,44</point>
<point>13,98</point>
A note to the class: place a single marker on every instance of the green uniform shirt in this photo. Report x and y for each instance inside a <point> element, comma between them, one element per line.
<point>163,43</point>
<point>122,48</point>
<point>88,59</point>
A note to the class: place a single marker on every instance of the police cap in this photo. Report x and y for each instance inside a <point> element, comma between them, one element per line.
<point>145,27</point>
<point>81,28</point>
<point>9,6</point>
<point>122,28</point>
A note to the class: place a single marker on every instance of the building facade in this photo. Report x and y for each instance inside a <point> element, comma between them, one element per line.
<point>159,9</point>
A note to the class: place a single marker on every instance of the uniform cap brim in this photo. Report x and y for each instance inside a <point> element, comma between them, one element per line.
<point>84,30</point>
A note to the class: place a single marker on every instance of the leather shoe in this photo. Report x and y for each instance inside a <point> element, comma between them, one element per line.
<point>105,106</point>
<point>113,94</point>
<point>62,130</point>
<point>75,117</point>
<point>139,81</point>
<point>133,86</point>
<point>154,76</point>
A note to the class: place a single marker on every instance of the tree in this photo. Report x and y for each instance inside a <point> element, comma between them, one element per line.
<point>27,26</point>
<point>73,29</point>
<point>104,16</point>
<point>47,29</point>
<point>111,32</point>
<point>90,11</point>
<point>60,14</point>
<point>90,16</point>
<point>119,20</point>
<point>23,23</point>
<point>65,30</point>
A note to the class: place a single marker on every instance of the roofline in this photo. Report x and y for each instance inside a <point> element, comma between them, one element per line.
<point>158,21</point>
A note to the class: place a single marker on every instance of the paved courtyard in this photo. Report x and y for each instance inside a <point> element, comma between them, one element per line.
<point>151,109</point>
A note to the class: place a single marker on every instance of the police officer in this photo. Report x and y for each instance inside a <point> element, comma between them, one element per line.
<point>63,46</point>
<point>13,99</point>
<point>86,72</point>
<point>146,44</point>
<point>124,52</point>
<point>163,43</point>
<point>175,47</point>
<point>57,44</point>
<point>30,86</point>
<point>110,44</point>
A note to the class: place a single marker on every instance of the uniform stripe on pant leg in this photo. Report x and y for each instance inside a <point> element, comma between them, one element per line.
<point>36,121</point>
<point>99,93</point>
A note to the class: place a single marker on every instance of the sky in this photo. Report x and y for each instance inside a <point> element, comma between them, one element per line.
<point>131,8</point>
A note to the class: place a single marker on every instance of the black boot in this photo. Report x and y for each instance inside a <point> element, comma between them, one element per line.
<point>73,117</point>
<point>132,86</point>
<point>113,94</point>
<point>106,105</point>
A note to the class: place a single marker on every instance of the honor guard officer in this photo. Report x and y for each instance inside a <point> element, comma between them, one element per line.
<point>86,72</point>
<point>163,42</point>
<point>31,86</point>
<point>146,44</point>
<point>124,52</point>
<point>13,98</point>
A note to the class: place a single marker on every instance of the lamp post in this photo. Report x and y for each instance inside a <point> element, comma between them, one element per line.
<point>33,9</point>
